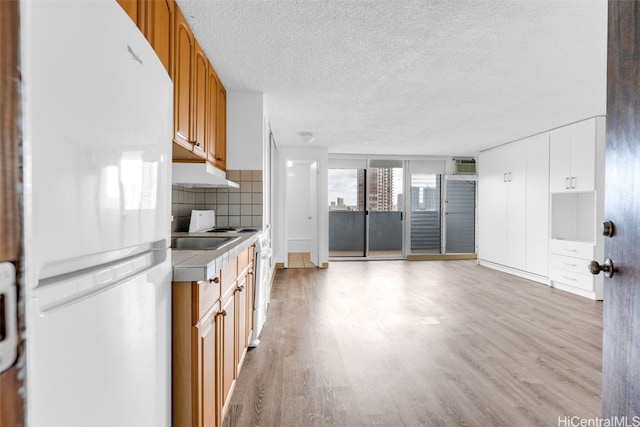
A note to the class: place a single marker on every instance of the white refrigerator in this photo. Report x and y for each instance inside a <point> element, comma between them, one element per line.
<point>97,129</point>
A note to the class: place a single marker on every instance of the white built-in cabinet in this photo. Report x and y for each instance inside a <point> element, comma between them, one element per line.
<point>513,200</point>
<point>540,201</point>
<point>577,203</point>
<point>573,157</point>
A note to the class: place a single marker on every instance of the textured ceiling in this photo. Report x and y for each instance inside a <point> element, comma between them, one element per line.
<point>410,77</point>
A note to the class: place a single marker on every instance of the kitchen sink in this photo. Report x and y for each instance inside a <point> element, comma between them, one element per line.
<point>202,243</point>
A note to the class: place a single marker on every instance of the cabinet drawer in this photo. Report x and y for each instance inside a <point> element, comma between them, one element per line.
<point>577,280</point>
<point>571,248</point>
<point>206,293</point>
<point>228,275</point>
<point>577,265</point>
<point>243,260</point>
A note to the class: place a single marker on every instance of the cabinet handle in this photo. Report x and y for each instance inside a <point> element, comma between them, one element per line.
<point>510,177</point>
<point>569,278</point>
<point>214,280</point>
<point>570,265</point>
<point>566,184</point>
<point>219,159</point>
<point>240,288</point>
<point>574,182</point>
<point>222,312</point>
<point>195,143</point>
<point>504,177</point>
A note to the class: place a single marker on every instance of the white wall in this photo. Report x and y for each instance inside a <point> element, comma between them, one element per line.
<point>245,130</point>
<point>319,154</point>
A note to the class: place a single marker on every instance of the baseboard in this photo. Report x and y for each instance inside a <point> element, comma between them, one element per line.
<point>576,291</point>
<point>279,265</point>
<point>515,272</point>
<point>435,257</point>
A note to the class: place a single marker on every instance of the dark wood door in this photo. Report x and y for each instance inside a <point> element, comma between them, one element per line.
<point>621,335</point>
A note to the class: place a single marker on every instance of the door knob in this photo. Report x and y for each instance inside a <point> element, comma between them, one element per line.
<point>607,267</point>
<point>607,229</point>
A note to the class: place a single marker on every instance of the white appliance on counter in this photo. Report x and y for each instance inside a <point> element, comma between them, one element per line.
<point>97,120</point>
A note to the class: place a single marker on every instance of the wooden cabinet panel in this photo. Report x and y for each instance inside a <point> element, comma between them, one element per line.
<point>227,351</point>
<point>211,328</point>
<point>199,101</point>
<point>221,129</point>
<point>206,292</point>
<point>206,337</point>
<point>201,67</point>
<point>241,322</point>
<point>184,48</point>
<point>212,114</point>
<point>135,10</point>
<point>159,29</point>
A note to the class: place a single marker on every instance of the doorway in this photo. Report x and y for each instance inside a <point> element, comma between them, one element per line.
<point>302,214</point>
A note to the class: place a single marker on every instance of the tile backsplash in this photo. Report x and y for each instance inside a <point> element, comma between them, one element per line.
<point>234,207</point>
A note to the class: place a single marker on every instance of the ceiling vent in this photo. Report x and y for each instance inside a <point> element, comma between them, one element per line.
<point>464,166</point>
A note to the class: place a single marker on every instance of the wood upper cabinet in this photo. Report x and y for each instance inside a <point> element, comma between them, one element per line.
<point>158,29</point>
<point>184,51</point>
<point>221,128</point>
<point>199,113</point>
<point>212,114</point>
<point>135,10</point>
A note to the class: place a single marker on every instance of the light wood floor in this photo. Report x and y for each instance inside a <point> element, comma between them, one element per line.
<point>300,260</point>
<point>437,343</point>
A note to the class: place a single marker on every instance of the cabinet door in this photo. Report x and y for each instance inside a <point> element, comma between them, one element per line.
<point>560,160</point>
<point>212,114</point>
<point>158,29</point>
<point>241,322</point>
<point>516,205</point>
<point>206,370</point>
<point>583,155</point>
<point>183,75</point>
<point>221,128</point>
<point>201,68</point>
<point>538,205</point>
<point>227,351</point>
<point>491,187</point>
<point>134,9</point>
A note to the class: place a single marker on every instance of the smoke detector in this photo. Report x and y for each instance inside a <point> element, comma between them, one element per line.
<point>307,136</point>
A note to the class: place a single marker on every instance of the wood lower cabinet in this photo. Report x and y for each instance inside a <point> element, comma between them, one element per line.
<point>228,350</point>
<point>207,336</point>
<point>211,326</point>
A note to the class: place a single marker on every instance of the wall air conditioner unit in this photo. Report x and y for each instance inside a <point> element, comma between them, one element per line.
<point>464,166</point>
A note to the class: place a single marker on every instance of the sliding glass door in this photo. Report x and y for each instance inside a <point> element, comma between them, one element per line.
<point>385,202</point>
<point>365,209</point>
<point>426,213</point>
<point>347,212</point>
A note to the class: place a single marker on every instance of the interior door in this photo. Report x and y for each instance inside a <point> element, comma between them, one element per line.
<point>621,323</point>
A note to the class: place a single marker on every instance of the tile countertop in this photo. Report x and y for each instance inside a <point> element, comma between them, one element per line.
<point>195,265</point>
